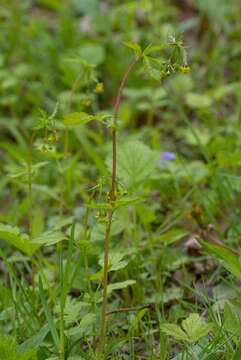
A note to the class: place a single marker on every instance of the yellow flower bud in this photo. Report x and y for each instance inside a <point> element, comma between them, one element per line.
<point>99,88</point>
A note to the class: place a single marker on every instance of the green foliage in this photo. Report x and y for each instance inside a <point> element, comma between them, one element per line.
<point>69,59</point>
<point>194,329</point>
<point>136,162</point>
<point>226,257</point>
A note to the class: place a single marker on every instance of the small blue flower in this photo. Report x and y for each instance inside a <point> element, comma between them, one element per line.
<point>166,156</point>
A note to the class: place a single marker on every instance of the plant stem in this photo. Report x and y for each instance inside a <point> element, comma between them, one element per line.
<point>110,213</point>
<point>30,196</point>
<point>66,144</point>
<point>59,246</point>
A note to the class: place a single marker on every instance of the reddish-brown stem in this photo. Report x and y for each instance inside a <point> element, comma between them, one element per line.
<point>147,306</point>
<point>110,214</point>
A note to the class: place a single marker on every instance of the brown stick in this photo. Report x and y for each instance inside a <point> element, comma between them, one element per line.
<point>147,306</point>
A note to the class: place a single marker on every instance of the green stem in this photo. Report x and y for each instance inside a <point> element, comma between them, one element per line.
<point>62,181</point>
<point>110,213</point>
<point>30,196</point>
<point>66,144</point>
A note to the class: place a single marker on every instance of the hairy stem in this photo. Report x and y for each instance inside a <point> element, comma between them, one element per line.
<point>110,213</point>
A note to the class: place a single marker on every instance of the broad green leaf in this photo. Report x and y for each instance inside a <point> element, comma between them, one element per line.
<point>133,46</point>
<point>136,162</point>
<point>224,90</point>
<point>153,67</point>
<point>232,322</point>
<point>226,257</point>
<point>13,236</point>
<point>116,261</point>
<point>50,237</point>
<point>175,331</point>
<point>92,53</point>
<point>78,118</point>
<point>196,327</point>
<point>128,201</point>
<point>120,285</point>
<point>198,101</point>
<point>87,321</point>
<point>172,236</point>
<point>34,341</point>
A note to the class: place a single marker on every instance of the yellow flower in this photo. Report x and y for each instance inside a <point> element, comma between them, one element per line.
<point>87,103</point>
<point>185,69</point>
<point>99,88</point>
<point>53,138</point>
<point>43,149</point>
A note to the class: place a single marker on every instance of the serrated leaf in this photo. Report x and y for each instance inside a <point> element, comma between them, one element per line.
<point>196,327</point>
<point>78,118</point>
<point>135,162</point>
<point>175,331</point>
<point>153,67</point>
<point>133,46</point>
<point>88,320</point>
<point>116,261</point>
<point>226,257</point>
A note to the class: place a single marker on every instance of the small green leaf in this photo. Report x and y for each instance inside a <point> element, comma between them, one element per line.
<point>116,261</point>
<point>175,331</point>
<point>128,201</point>
<point>153,48</point>
<point>120,285</point>
<point>153,67</point>
<point>78,118</point>
<point>50,237</point>
<point>34,341</point>
<point>198,101</point>
<point>20,241</point>
<point>196,327</point>
<point>226,257</point>
<point>98,205</point>
<point>133,46</point>
<point>87,321</point>
<point>172,236</point>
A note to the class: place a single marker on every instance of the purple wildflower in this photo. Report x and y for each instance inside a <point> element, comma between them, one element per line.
<point>166,156</point>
